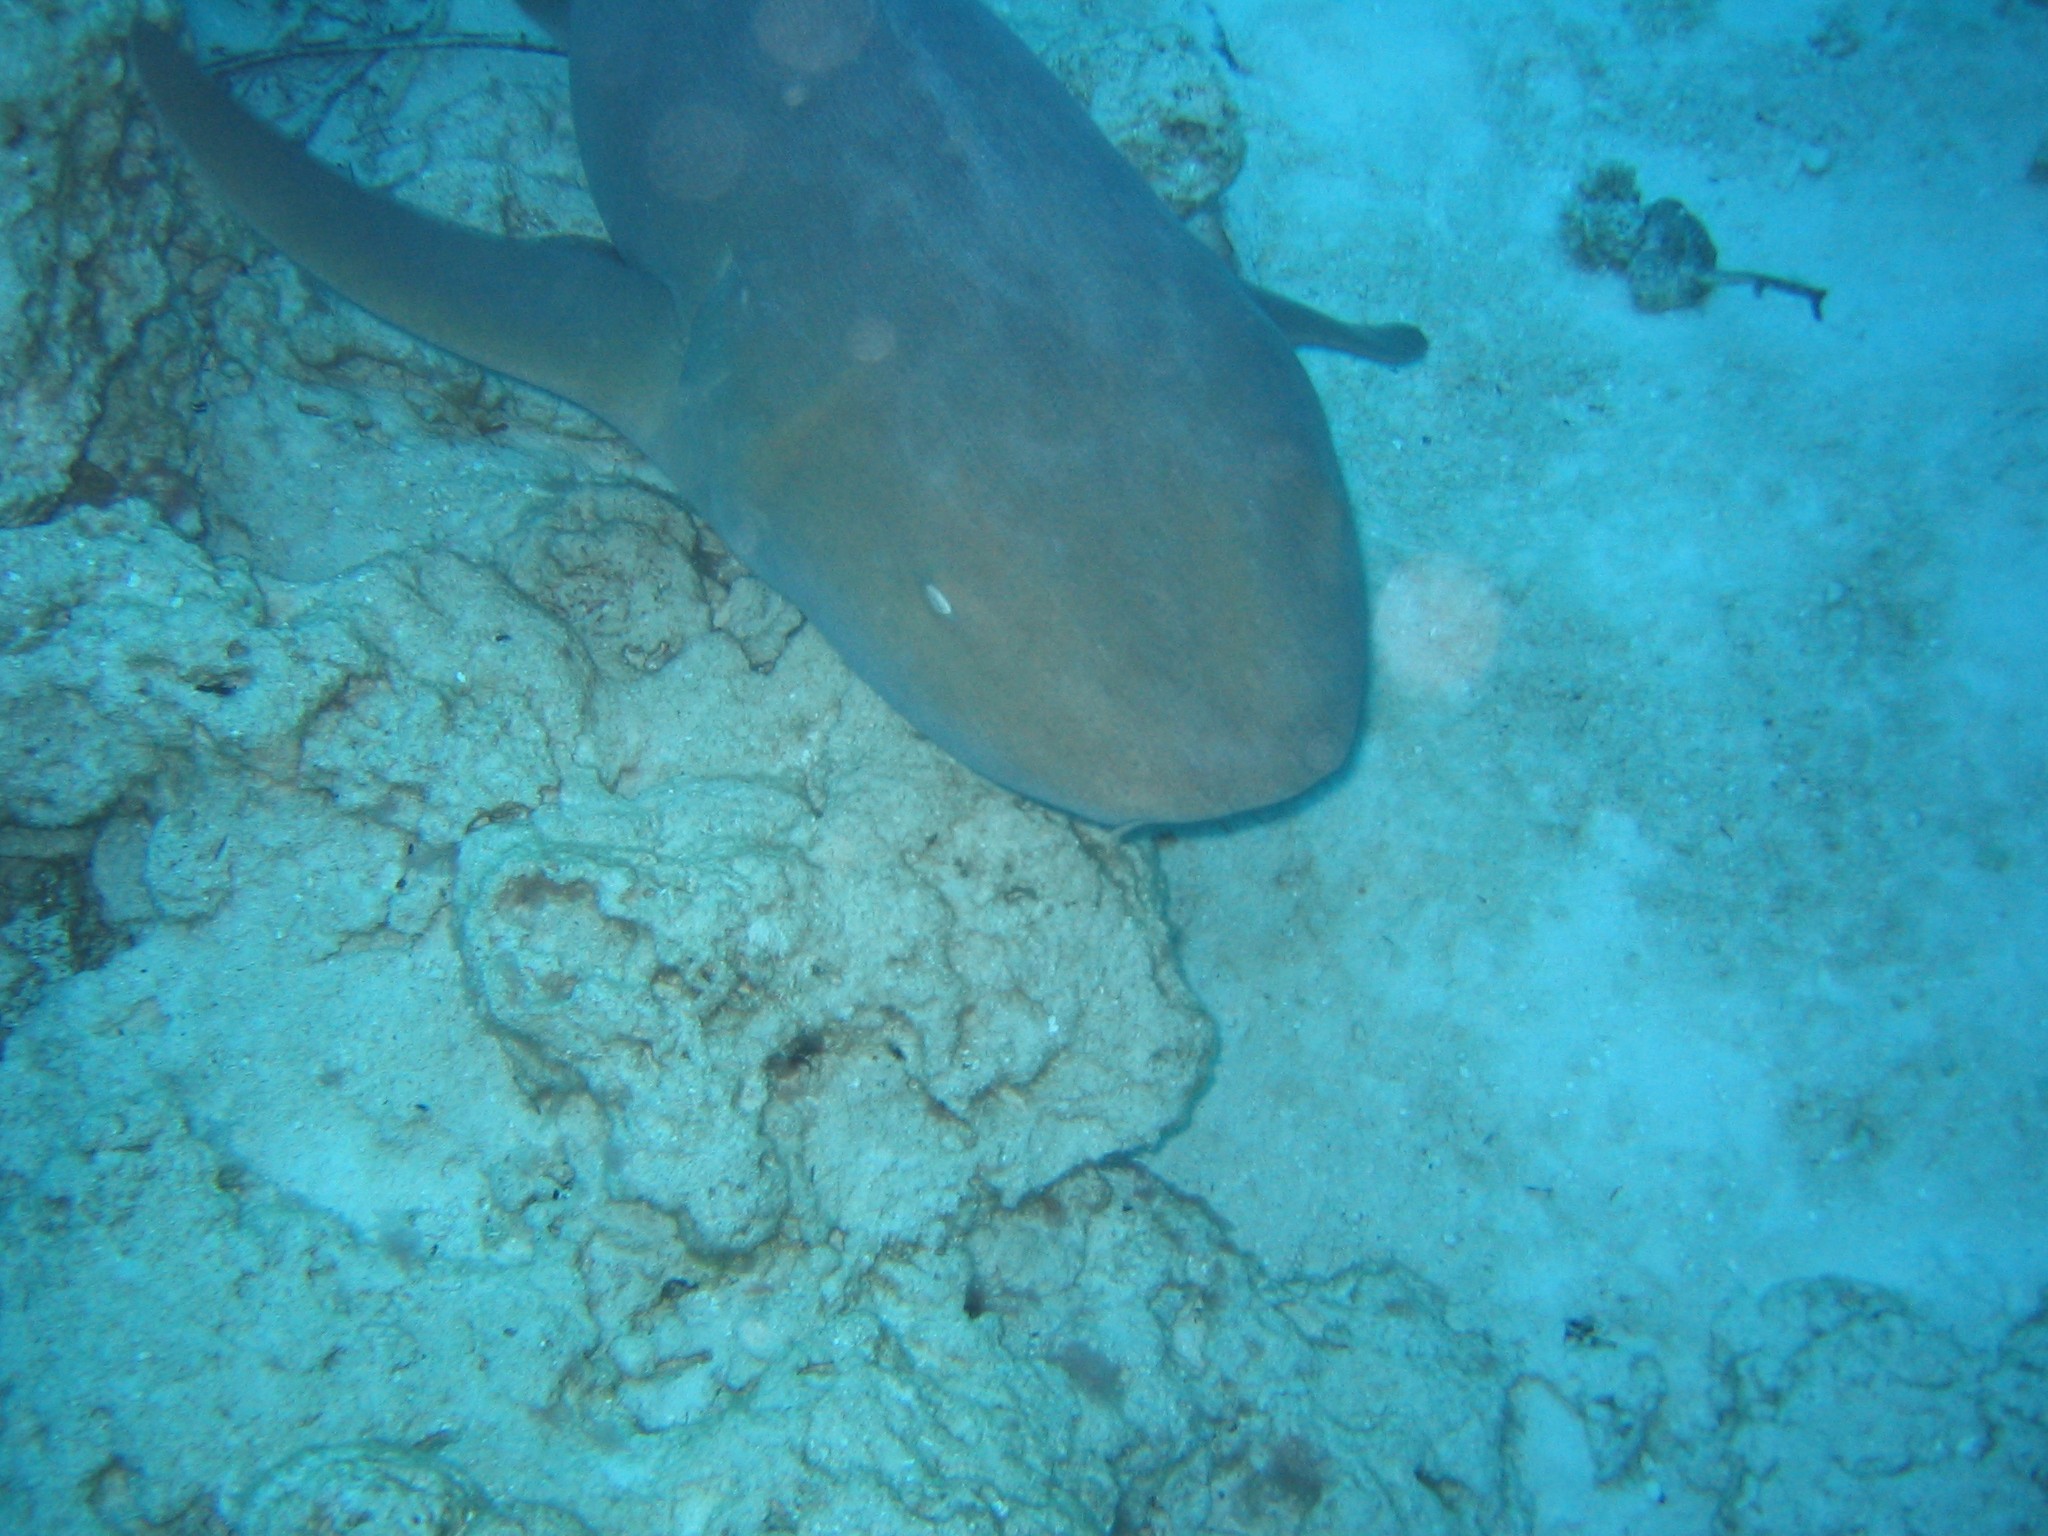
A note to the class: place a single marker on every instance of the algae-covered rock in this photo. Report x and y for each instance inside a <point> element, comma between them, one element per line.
<point>1229,1399</point>
<point>84,276</point>
<point>370,1489</point>
<point>1602,224</point>
<point>123,646</point>
<point>465,708</point>
<point>1155,78</point>
<point>1664,250</point>
<point>771,1009</point>
<point>1838,1389</point>
<point>51,923</point>
<point>1163,96</point>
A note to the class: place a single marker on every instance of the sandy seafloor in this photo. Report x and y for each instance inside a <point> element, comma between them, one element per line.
<point>502,1034</point>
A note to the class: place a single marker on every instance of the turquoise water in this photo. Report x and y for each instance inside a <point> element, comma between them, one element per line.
<point>500,1031</point>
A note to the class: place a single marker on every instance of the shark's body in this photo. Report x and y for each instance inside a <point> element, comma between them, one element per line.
<point>935,362</point>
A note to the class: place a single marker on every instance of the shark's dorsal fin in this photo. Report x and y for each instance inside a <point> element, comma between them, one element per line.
<point>565,314</point>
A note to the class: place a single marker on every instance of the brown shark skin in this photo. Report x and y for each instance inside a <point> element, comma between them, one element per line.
<point>941,367</point>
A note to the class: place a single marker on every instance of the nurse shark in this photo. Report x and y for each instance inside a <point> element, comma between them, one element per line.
<point>933,359</point>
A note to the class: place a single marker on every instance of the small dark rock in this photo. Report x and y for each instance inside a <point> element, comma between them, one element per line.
<point>1602,225</point>
<point>1674,266</point>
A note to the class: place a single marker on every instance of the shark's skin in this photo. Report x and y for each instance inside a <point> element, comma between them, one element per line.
<point>936,363</point>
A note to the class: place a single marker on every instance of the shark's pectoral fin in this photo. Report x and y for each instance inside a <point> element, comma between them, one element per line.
<point>565,314</point>
<point>1394,345</point>
<point>552,17</point>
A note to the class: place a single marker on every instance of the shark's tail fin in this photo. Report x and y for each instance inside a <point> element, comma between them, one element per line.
<point>565,314</point>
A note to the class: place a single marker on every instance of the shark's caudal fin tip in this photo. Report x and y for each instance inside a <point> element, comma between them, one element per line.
<point>565,314</point>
